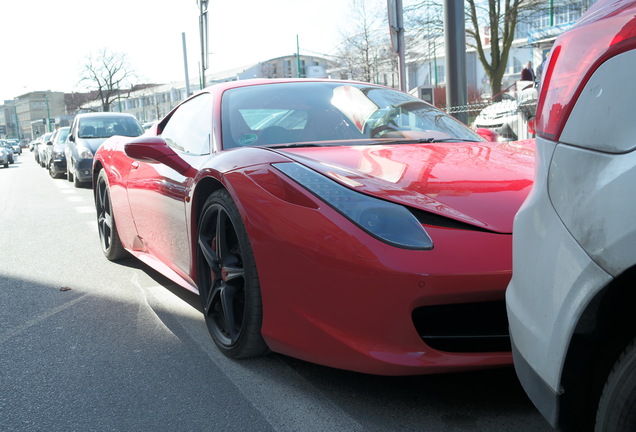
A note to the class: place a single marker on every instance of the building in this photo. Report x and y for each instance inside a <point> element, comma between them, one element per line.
<point>32,114</point>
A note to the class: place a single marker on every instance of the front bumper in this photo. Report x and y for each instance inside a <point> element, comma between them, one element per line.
<point>335,296</point>
<point>58,166</point>
<point>83,170</point>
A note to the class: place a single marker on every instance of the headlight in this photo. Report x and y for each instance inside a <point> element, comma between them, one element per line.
<point>84,153</point>
<point>389,222</point>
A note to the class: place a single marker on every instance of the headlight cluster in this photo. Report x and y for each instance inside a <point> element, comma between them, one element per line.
<point>84,152</point>
<point>389,222</point>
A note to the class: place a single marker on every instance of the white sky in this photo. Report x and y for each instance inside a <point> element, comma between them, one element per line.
<point>46,42</point>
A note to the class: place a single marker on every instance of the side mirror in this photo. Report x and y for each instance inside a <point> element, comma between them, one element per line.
<point>154,149</point>
<point>49,143</point>
<point>71,138</point>
<point>488,134</point>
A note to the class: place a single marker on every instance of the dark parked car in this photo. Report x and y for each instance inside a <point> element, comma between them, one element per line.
<point>87,133</point>
<point>55,157</point>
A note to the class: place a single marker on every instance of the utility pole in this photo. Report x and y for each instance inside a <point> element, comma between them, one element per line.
<point>396,29</point>
<point>455,38</point>
<point>185,64</point>
<point>203,34</point>
<point>48,114</point>
<point>298,56</point>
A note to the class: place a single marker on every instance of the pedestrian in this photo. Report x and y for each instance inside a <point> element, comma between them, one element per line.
<point>527,74</point>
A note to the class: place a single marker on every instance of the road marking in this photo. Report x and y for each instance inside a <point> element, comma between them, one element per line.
<point>309,411</point>
<point>17,330</point>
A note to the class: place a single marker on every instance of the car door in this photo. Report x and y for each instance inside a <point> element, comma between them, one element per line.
<point>157,193</point>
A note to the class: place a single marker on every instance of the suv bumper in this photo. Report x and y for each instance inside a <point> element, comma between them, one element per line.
<point>553,281</point>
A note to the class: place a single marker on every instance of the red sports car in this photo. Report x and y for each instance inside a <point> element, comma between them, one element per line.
<point>343,223</point>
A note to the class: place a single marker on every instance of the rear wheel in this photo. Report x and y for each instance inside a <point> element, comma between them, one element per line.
<point>228,280</point>
<point>617,407</point>
<point>108,236</point>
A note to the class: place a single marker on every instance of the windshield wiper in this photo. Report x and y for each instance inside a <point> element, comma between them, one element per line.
<point>292,145</point>
<point>424,141</point>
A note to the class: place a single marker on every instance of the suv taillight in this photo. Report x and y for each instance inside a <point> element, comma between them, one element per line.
<point>608,28</point>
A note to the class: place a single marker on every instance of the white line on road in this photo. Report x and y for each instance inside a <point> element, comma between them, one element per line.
<point>17,330</point>
<point>281,395</point>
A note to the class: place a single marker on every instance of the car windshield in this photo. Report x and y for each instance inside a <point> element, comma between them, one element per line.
<point>61,136</point>
<point>323,112</point>
<point>105,127</point>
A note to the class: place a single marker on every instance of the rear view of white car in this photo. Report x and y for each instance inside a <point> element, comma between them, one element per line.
<point>572,298</point>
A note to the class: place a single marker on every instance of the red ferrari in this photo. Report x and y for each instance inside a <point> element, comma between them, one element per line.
<point>343,223</point>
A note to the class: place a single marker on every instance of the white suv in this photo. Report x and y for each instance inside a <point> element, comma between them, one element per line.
<point>572,298</point>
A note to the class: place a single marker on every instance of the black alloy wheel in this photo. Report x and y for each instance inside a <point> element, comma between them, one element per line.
<point>228,280</point>
<point>108,236</point>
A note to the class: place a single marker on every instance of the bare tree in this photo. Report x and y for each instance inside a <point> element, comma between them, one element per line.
<point>500,17</point>
<point>364,49</point>
<point>108,74</point>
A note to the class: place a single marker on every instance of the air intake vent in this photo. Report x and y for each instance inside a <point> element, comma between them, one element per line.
<point>432,219</point>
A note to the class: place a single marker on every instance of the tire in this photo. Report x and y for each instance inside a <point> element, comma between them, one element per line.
<point>108,235</point>
<point>228,281</point>
<point>69,174</point>
<point>77,183</point>
<point>617,407</point>
<point>51,172</point>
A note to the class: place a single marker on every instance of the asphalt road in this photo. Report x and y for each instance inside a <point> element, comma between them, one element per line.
<point>90,345</point>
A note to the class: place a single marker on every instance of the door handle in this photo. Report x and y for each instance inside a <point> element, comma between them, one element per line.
<point>135,165</point>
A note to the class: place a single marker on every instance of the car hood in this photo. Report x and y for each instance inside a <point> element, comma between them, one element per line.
<point>91,143</point>
<point>482,184</point>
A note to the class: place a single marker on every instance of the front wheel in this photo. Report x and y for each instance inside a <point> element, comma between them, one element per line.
<point>617,407</point>
<point>108,236</point>
<point>228,280</point>
<point>52,172</point>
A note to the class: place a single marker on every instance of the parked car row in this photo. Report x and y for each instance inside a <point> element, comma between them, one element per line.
<point>68,151</point>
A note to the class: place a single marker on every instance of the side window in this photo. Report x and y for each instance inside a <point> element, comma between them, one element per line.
<point>189,128</point>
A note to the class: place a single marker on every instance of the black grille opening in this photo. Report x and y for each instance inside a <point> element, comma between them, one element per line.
<point>465,327</point>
